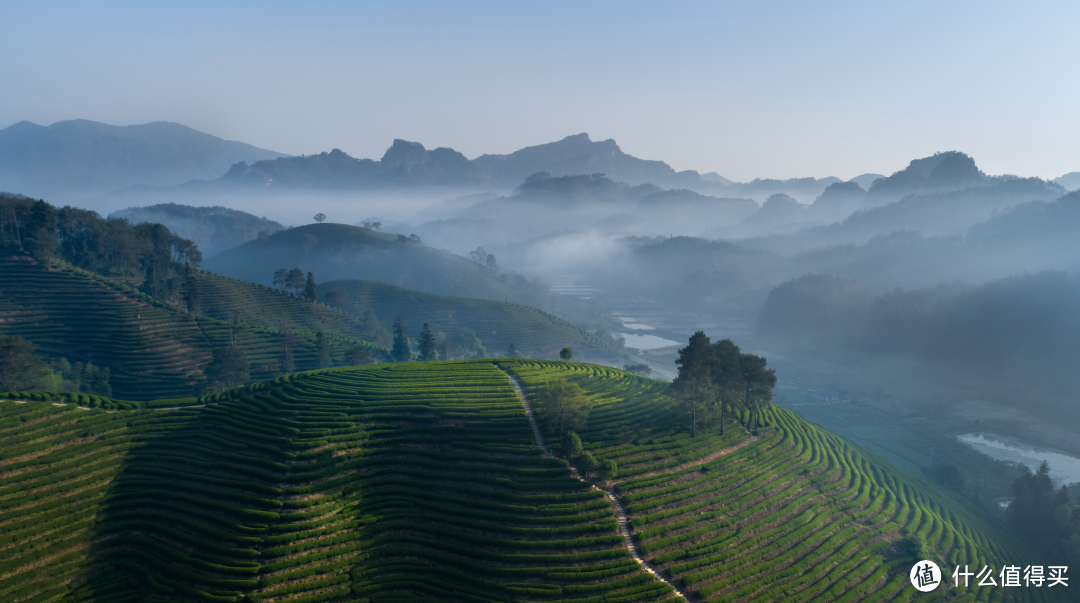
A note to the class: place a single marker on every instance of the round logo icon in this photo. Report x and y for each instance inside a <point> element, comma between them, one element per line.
<point>925,576</point>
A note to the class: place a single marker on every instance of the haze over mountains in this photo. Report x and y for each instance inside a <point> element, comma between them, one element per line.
<point>79,159</point>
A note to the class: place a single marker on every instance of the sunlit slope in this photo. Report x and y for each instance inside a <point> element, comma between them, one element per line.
<point>496,323</point>
<point>151,349</point>
<point>799,514</point>
<point>340,251</point>
<point>416,481</point>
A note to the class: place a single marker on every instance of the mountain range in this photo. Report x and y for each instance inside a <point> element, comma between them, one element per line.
<point>79,159</point>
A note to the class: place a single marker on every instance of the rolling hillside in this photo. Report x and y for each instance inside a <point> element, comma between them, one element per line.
<point>339,251</point>
<point>423,482</point>
<point>497,324</point>
<point>151,349</point>
<point>798,514</point>
<point>392,482</point>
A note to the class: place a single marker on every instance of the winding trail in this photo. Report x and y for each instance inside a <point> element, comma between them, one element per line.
<point>620,513</point>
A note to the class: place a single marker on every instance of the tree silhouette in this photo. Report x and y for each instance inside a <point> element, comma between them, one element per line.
<point>400,352</point>
<point>320,217</point>
<point>311,290</point>
<point>566,354</point>
<point>295,280</point>
<point>428,346</point>
<point>281,276</point>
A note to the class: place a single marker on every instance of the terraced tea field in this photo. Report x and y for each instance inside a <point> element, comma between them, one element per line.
<point>799,514</point>
<point>152,350</point>
<point>416,481</point>
<point>498,324</point>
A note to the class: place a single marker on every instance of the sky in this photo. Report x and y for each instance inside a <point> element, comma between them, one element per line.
<point>746,89</point>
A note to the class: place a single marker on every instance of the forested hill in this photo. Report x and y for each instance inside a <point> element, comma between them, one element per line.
<point>213,229</point>
<point>339,251</point>
<point>424,481</point>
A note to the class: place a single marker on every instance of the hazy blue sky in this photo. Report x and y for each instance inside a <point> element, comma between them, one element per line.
<point>750,89</point>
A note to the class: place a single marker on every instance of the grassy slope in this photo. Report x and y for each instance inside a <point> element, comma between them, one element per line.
<point>498,324</point>
<point>418,481</point>
<point>152,350</point>
<point>339,251</point>
<point>799,514</point>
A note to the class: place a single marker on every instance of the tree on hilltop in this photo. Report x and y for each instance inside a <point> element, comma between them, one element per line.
<point>566,354</point>
<point>427,344</point>
<point>400,352</point>
<point>562,406</point>
<point>693,386</point>
<point>281,277</point>
<point>638,368</point>
<point>311,290</point>
<point>320,217</point>
<point>758,382</point>
<point>491,263</point>
<point>41,238</point>
<point>479,256</point>
<point>295,280</point>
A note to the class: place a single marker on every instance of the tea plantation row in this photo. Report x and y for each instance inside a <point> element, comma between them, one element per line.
<point>415,481</point>
<point>800,514</point>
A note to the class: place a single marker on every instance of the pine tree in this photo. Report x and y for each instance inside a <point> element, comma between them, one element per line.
<point>322,344</point>
<point>428,346</point>
<point>191,291</point>
<point>400,352</point>
<point>311,290</point>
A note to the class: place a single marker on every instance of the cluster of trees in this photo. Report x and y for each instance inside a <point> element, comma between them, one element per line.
<point>481,257</point>
<point>21,369</point>
<point>294,279</point>
<point>1044,514</point>
<point>715,377</point>
<point>432,345</point>
<point>638,368</point>
<point>605,470</point>
<point>112,247</point>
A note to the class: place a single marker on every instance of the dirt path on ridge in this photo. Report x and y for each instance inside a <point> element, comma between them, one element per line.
<point>620,513</point>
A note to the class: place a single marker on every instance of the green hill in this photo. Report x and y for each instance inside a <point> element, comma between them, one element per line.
<point>798,514</point>
<point>390,482</point>
<point>152,349</point>
<point>497,324</point>
<point>339,251</point>
<point>423,482</point>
